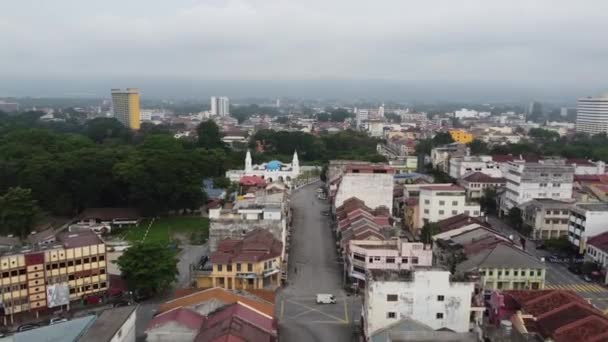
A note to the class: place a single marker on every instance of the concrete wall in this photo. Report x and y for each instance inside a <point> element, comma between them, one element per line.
<point>126,333</point>
<point>375,189</point>
<point>418,300</point>
<point>171,332</point>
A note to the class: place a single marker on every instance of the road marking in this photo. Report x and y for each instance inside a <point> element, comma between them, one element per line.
<point>282,309</point>
<point>319,311</point>
<point>345,310</point>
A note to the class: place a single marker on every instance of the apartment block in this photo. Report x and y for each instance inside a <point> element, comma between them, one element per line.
<point>438,202</point>
<point>126,107</point>
<point>585,221</point>
<point>36,278</point>
<point>462,166</point>
<point>461,136</point>
<point>550,178</point>
<point>441,156</point>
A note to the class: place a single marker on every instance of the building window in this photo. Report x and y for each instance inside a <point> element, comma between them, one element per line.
<point>219,268</point>
<point>439,315</point>
<point>538,272</point>
<point>93,259</point>
<point>427,202</point>
<point>499,273</point>
<point>238,267</point>
<point>78,261</point>
<point>86,260</point>
<point>441,202</point>
<point>404,260</point>
<point>229,268</point>
<point>392,297</point>
<point>490,273</point>
<point>547,221</point>
<point>454,203</point>
<point>426,211</point>
<point>249,267</point>
<point>391,315</point>
<point>440,298</point>
<point>441,212</point>
<point>390,260</point>
<point>516,273</point>
<point>466,212</point>
<point>70,263</point>
<point>506,272</point>
<point>71,277</point>
<point>415,260</point>
<point>454,212</point>
<point>61,264</point>
<point>371,260</point>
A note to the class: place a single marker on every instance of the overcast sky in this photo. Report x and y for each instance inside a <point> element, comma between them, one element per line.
<point>527,41</point>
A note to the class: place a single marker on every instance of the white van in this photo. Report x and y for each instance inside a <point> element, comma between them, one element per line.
<point>323,298</point>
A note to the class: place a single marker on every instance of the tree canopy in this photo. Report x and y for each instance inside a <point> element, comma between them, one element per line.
<point>148,267</point>
<point>209,135</point>
<point>18,212</point>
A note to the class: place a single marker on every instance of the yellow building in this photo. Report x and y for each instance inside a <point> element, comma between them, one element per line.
<point>126,107</point>
<point>461,136</point>
<point>251,263</point>
<point>39,277</point>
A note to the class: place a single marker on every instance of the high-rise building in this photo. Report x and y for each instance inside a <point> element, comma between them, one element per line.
<point>381,111</point>
<point>535,111</point>
<point>126,107</point>
<point>220,106</point>
<point>592,115</point>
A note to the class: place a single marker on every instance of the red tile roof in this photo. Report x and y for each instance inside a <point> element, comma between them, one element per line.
<point>252,181</point>
<point>560,315</point>
<point>182,316</point>
<point>442,188</point>
<point>480,177</point>
<point>79,239</point>
<point>238,321</point>
<point>599,241</point>
<point>257,245</point>
<point>459,221</point>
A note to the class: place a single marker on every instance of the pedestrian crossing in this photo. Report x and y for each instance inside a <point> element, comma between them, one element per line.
<point>578,287</point>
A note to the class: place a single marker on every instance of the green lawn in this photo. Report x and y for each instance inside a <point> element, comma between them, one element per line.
<point>165,228</point>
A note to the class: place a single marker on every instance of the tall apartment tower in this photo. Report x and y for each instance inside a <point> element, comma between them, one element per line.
<point>126,107</point>
<point>592,115</point>
<point>220,106</point>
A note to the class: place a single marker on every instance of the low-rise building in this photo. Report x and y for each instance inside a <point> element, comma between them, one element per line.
<point>586,220</point>
<point>547,217</point>
<point>428,296</point>
<point>462,166</point>
<point>504,267</point>
<point>394,254</point>
<point>375,189</point>
<point>253,262</point>
<point>597,251</point>
<point>461,136</point>
<point>438,202</point>
<point>476,183</point>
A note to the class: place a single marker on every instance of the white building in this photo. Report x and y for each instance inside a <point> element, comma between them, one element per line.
<point>427,296</point>
<point>440,156</point>
<point>362,115</point>
<point>586,220</point>
<point>548,218</point>
<point>376,128</point>
<point>466,114</point>
<point>272,171</point>
<point>592,115</point>
<point>220,105</point>
<point>587,167</point>
<point>375,189</point>
<point>550,178</point>
<point>381,111</point>
<point>438,202</point>
<point>462,166</point>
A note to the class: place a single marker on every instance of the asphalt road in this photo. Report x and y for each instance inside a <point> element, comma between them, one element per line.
<point>557,275</point>
<point>313,268</point>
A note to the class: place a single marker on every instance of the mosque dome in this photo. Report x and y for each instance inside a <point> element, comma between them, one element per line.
<point>273,165</point>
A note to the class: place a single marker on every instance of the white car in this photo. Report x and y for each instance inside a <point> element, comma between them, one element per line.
<point>323,298</point>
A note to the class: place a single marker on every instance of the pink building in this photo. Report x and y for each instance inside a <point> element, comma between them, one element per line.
<point>394,254</point>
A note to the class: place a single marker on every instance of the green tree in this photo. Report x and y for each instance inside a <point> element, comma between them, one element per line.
<point>209,135</point>
<point>442,138</point>
<point>488,201</point>
<point>340,114</point>
<point>148,267</point>
<point>101,130</point>
<point>323,117</point>
<point>18,211</point>
<point>515,219</point>
<point>478,147</point>
<point>428,231</point>
<point>221,182</point>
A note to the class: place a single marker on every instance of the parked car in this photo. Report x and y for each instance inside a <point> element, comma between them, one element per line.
<point>27,326</point>
<point>324,298</point>
<point>56,320</point>
<point>587,278</point>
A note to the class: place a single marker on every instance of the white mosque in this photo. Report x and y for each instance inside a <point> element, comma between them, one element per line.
<point>272,171</point>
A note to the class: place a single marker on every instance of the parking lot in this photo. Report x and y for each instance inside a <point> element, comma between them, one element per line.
<point>313,269</point>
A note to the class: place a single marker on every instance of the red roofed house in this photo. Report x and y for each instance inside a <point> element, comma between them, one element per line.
<point>556,315</point>
<point>179,324</point>
<point>253,262</point>
<point>597,250</point>
<point>475,183</point>
<point>238,322</point>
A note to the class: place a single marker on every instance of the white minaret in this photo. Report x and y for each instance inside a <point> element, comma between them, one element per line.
<point>248,166</point>
<point>295,164</point>
<point>381,111</point>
